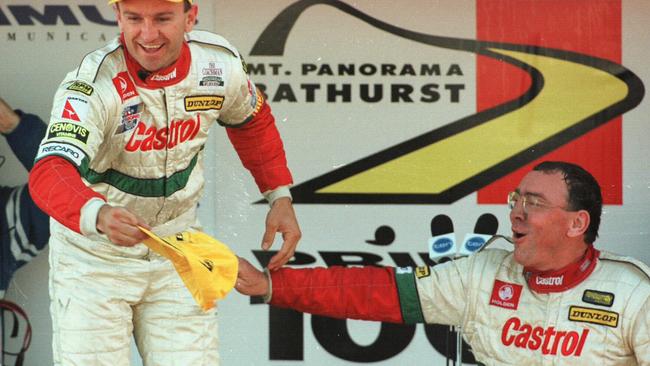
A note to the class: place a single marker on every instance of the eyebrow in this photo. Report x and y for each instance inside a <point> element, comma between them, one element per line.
<point>165,13</point>
<point>533,194</point>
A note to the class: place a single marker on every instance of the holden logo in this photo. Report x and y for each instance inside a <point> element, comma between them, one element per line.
<point>506,292</point>
<point>442,245</point>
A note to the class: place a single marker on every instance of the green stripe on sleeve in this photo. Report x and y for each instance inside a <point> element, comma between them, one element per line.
<point>408,297</point>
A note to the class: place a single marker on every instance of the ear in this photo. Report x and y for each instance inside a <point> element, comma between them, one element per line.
<point>190,20</point>
<point>579,224</point>
<point>118,15</point>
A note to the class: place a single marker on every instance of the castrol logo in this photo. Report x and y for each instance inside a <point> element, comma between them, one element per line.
<point>151,138</point>
<point>549,281</point>
<point>548,341</point>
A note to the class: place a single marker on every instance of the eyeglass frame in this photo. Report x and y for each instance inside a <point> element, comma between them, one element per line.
<point>525,199</point>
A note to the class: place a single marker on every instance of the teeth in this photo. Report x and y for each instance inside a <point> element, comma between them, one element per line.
<point>151,47</point>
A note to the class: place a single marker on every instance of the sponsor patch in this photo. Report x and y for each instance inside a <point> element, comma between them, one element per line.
<point>505,295</point>
<point>130,118</point>
<point>598,297</point>
<point>67,151</point>
<point>403,270</point>
<point>203,103</point>
<point>69,131</point>
<point>212,73</point>
<point>165,138</point>
<point>211,81</point>
<point>423,271</point>
<point>81,87</point>
<point>167,77</point>
<point>124,86</point>
<point>594,316</point>
<point>75,109</point>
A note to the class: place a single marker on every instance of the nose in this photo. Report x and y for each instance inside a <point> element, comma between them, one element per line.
<point>148,31</point>
<point>517,212</point>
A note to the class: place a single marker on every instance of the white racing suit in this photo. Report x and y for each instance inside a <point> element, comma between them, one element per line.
<point>603,320</point>
<point>136,139</point>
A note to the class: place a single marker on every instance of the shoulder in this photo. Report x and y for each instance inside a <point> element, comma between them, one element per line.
<point>487,264</point>
<point>211,41</point>
<point>100,64</point>
<point>92,81</point>
<point>495,257</point>
<point>625,268</point>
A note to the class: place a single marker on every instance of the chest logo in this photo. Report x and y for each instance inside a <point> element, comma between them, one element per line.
<point>203,103</point>
<point>505,295</point>
<point>548,341</point>
<point>594,316</point>
<point>598,297</point>
<point>124,86</point>
<point>151,138</point>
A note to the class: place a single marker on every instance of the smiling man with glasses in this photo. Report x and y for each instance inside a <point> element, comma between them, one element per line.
<point>555,215</point>
<point>554,300</point>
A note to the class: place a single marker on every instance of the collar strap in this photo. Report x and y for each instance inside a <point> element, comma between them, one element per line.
<point>565,278</point>
<point>167,76</point>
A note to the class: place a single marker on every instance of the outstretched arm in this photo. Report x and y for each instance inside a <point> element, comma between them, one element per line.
<point>368,293</point>
<point>261,151</point>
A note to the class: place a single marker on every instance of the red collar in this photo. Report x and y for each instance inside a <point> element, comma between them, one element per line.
<point>167,76</point>
<point>565,278</point>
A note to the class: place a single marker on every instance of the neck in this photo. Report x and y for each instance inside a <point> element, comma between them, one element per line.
<point>565,277</point>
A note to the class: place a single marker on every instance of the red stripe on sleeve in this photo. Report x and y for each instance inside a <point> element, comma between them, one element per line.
<point>260,150</point>
<point>56,187</point>
<point>368,293</point>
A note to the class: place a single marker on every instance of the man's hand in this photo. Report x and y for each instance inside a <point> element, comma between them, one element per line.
<point>281,218</point>
<point>8,118</point>
<point>251,281</point>
<point>121,226</point>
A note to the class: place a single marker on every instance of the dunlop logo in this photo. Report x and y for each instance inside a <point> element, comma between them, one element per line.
<point>594,316</point>
<point>203,103</point>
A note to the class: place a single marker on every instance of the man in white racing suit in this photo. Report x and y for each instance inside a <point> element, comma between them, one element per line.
<point>555,300</point>
<point>124,149</point>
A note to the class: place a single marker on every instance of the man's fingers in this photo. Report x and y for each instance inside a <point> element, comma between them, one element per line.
<point>122,239</point>
<point>280,258</point>
<point>267,239</point>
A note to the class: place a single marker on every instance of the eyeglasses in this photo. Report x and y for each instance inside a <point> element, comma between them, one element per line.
<point>529,203</point>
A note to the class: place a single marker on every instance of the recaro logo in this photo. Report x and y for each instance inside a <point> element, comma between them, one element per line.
<point>53,15</point>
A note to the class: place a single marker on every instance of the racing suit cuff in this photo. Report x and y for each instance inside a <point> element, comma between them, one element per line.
<point>267,297</point>
<point>88,220</point>
<point>274,194</point>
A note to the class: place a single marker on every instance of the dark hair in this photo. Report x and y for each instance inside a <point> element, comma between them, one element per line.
<point>584,192</point>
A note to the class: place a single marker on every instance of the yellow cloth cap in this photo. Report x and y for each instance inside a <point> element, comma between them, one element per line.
<point>207,267</point>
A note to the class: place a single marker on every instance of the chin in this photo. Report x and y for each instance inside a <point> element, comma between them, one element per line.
<point>520,257</point>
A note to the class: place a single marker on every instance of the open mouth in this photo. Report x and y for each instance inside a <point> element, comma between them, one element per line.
<point>517,234</point>
<point>151,48</point>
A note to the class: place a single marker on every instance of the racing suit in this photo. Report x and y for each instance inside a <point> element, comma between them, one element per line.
<point>136,139</point>
<point>599,314</point>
